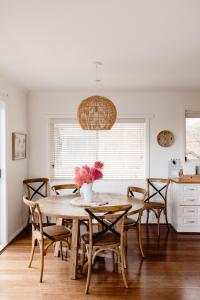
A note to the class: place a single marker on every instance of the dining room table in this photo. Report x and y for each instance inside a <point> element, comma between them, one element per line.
<point>73,208</point>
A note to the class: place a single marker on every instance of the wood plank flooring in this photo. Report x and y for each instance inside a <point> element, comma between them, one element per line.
<point>171,270</point>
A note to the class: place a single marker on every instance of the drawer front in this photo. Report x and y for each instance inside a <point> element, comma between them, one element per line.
<point>191,190</point>
<point>191,200</point>
<point>191,211</point>
<point>190,221</point>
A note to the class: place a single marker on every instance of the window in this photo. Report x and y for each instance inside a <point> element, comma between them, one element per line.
<point>192,135</point>
<point>122,149</point>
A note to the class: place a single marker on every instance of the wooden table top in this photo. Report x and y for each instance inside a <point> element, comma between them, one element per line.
<point>61,207</point>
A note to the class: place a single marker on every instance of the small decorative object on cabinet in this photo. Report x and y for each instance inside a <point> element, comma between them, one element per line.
<point>165,138</point>
<point>18,145</point>
<point>186,205</point>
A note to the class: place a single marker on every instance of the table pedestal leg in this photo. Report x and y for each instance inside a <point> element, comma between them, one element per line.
<point>74,248</point>
<point>59,221</point>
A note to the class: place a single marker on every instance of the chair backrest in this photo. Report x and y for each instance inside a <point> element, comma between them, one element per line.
<point>157,190</point>
<point>36,217</point>
<point>67,186</point>
<point>111,218</point>
<point>36,187</point>
<point>133,189</point>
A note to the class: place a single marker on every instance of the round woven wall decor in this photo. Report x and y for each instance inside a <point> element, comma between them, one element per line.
<point>165,138</point>
<point>96,113</point>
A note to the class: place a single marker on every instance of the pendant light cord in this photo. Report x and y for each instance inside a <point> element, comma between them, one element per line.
<point>97,63</point>
<point>96,77</point>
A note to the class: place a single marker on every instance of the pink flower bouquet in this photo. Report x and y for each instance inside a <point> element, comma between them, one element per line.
<point>87,174</point>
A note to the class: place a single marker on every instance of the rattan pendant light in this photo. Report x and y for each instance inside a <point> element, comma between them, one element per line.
<point>97,112</point>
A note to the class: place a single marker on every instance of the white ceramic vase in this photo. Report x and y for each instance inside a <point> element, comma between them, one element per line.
<point>87,191</point>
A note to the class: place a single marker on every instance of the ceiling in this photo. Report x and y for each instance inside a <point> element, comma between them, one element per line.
<point>143,44</point>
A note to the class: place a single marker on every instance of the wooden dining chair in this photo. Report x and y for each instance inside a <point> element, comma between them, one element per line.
<point>130,222</point>
<point>157,187</point>
<point>61,189</point>
<point>45,236</point>
<point>111,237</point>
<point>68,186</point>
<point>68,189</point>
<point>37,188</point>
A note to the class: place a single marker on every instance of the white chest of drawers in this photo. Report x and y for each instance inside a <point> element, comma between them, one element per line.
<point>186,207</point>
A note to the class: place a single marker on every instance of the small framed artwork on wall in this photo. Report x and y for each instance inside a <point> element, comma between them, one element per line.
<point>18,145</point>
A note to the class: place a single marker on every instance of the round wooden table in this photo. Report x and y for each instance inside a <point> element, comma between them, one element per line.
<point>62,208</point>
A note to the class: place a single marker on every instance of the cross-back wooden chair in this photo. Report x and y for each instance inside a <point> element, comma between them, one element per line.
<point>110,237</point>
<point>67,186</point>
<point>75,191</point>
<point>45,236</point>
<point>129,222</point>
<point>37,188</point>
<point>159,187</point>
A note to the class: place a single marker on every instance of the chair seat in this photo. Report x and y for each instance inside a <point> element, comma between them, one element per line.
<point>57,231</point>
<point>108,238</point>
<point>67,222</point>
<point>129,222</point>
<point>150,205</point>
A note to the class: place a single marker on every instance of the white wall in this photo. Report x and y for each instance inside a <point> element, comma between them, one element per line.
<point>167,108</point>
<point>16,171</point>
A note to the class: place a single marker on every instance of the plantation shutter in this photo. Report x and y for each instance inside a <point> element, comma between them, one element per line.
<point>121,149</point>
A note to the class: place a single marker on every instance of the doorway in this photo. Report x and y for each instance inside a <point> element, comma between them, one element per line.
<point>3,209</point>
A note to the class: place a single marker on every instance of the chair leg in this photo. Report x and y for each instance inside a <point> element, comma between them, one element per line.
<point>32,252</point>
<point>158,219</point>
<point>61,250</point>
<point>28,218</point>
<point>139,237</point>
<point>47,218</point>
<point>41,244</point>
<point>126,247</point>
<point>89,270</point>
<point>147,221</point>
<point>122,262</point>
<point>114,261</point>
<point>82,261</point>
<point>166,218</point>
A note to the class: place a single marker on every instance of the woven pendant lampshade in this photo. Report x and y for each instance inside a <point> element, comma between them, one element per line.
<point>97,113</point>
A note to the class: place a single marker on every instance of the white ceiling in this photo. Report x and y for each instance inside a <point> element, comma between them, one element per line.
<point>144,44</point>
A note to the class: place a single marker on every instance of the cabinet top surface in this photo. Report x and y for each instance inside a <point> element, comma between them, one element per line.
<point>186,180</point>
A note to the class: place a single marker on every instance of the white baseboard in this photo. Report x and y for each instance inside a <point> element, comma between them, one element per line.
<point>13,235</point>
<point>2,246</point>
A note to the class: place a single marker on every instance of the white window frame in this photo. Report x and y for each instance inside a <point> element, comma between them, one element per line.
<point>189,114</point>
<point>146,118</point>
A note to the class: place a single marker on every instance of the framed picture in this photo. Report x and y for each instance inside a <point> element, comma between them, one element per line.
<point>18,145</point>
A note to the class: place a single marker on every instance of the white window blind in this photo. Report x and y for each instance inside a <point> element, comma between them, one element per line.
<point>122,149</point>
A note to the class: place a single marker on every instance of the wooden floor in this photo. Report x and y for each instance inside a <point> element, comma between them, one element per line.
<point>171,270</point>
